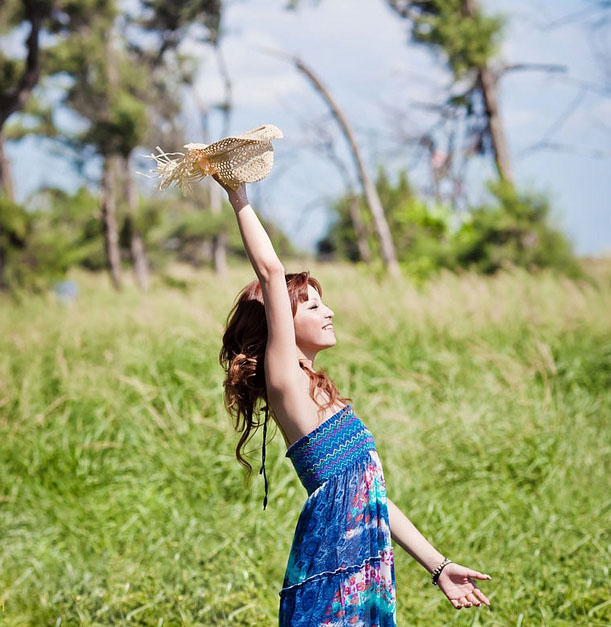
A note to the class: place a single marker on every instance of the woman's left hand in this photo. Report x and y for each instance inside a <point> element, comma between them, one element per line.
<point>455,582</point>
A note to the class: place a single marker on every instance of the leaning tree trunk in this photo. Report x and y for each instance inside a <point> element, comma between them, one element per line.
<point>488,80</point>
<point>489,83</point>
<point>136,243</point>
<point>371,194</point>
<point>108,207</point>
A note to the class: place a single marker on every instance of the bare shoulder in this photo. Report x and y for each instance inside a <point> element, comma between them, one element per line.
<point>296,412</point>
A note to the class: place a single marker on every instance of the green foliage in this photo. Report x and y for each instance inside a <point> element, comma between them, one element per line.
<point>122,128</point>
<point>419,230</point>
<point>121,501</point>
<point>171,20</point>
<point>60,231</point>
<point>179,228</point>
<point>468,42</point>
<point>10,73</point>
<point>36,118</point>
<point>41,244</point>
<point>59,21</point>
<point>514,229</point>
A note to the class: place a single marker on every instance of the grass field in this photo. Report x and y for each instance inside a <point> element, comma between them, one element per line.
<point>121,502</point>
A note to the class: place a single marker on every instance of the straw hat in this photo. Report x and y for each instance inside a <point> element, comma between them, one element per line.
<point>238,159</point>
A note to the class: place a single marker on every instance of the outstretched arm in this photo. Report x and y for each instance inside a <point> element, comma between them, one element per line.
<point>257,244</point>
<point>282,370</point>
<point>455,580</point>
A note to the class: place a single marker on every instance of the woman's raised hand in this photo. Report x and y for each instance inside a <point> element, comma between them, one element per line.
<point>455,582</point>
<point>237,198</point>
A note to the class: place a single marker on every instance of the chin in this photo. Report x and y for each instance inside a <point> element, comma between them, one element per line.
<point>330,344</point>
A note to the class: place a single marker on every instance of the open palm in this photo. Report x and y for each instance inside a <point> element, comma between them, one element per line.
<point>455,582</point>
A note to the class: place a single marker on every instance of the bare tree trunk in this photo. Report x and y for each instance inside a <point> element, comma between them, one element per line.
<point>219,242</point>
<point>488,81</point>
<point>215,199</point>
<point>359,229</point>
<point>108,187</point>
<point>371,194</point>
<point>109,220</point>
<point>136,244</point>
<point>6,178</point>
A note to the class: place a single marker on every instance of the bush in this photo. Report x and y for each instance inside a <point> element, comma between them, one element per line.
<point>513,229</point>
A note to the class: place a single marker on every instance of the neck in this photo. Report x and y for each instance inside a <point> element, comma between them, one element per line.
<point>307,357</point>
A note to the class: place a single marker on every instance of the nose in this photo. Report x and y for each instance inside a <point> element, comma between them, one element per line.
<point>330,312</point>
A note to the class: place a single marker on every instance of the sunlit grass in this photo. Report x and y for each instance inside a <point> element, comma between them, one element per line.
<point>121,501</point>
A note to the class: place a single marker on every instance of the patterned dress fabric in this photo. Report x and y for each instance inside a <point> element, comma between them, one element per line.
<point>341,568</point>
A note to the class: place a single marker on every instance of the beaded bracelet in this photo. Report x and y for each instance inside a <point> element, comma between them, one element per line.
<point>438,570</point>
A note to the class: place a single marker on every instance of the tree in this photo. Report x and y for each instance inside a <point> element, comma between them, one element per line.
<point>58,20</point>
<point>170,24</point>
<point>512,229</point>
<point>374,205</point>
<point>419,230</point>
<point>469,40</point>
<point>108,91</point>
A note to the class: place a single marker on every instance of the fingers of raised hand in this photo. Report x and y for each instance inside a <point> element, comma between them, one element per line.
<point>473,600</point>
<point>477,575</point>
<point>480,595</point>
<point>218,180</point>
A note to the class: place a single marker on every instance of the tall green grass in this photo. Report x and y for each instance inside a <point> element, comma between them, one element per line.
<point>121,502</point>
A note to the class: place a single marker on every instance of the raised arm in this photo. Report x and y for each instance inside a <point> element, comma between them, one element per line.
<point>281,358</point>
<point>455,580</point>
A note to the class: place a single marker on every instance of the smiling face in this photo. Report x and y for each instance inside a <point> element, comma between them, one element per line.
<point>314,325</point>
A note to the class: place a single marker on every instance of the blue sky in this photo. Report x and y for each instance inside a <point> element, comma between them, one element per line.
<point>361,51</point>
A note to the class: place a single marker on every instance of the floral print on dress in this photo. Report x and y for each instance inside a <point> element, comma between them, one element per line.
<point>340,569</point>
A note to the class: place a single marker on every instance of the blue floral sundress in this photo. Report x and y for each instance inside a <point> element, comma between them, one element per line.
<point>340,569</point>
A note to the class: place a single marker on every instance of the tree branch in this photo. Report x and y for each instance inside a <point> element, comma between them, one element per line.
<point>405,9</point>
<point>534,67</point>
<point>586,151</point>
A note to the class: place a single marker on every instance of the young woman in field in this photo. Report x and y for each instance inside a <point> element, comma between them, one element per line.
<point>340,569</point>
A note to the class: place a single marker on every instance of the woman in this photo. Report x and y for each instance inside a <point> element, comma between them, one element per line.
<point>340,568</point>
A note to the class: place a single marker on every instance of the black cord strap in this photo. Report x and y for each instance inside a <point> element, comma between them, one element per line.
<point>266,410</point>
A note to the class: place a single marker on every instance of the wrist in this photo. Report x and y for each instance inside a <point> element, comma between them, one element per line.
<point>438,570</point>
<point>238,205</point>
<point>432,561</point>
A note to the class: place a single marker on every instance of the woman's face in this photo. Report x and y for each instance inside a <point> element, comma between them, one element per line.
<point>313,324</point>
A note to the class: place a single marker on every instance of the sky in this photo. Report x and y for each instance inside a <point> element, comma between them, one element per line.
<point>361,51</point>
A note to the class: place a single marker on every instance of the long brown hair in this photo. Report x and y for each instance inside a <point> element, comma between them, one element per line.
<point>242,357</point>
